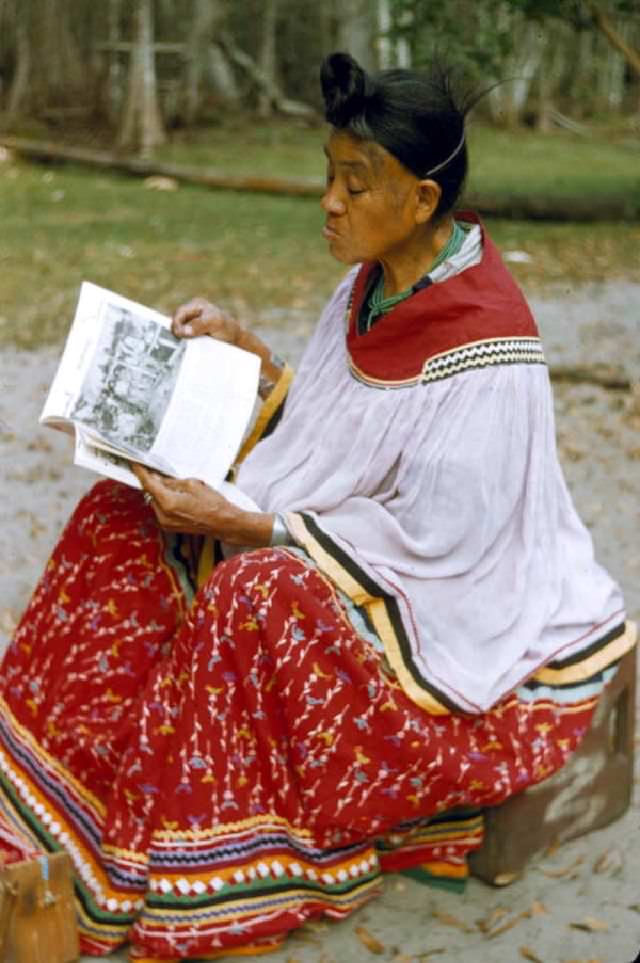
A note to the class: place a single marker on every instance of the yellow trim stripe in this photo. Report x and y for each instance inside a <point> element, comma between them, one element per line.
<point>295,897</point>
<point>267,411</point>
<point>602,659</point>
<point>206,561</point>
<point>379,617</point>
<point>376,610</point>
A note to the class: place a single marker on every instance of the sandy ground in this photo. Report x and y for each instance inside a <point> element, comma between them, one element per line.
<point>596,877</point>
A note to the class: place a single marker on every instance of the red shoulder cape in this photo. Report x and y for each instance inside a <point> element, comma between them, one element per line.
<point>480,312</point>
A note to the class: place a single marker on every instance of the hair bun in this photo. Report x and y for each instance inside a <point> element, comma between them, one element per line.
<point>345,88</point>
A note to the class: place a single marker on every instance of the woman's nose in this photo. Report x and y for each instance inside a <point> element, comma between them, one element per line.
<point>331,202</point>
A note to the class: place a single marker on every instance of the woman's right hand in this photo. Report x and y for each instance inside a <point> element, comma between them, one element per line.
<point>198,317</point>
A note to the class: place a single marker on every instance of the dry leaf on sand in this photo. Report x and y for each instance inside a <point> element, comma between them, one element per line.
<point>367,939</point>
<point>538,908</point>
<point>590,924</point>
<point>527,954</point>
<point>450,920</point>
<point>557,873</point>
<point>610,862</point>
<point>486,924</point>
<point>508,924</point>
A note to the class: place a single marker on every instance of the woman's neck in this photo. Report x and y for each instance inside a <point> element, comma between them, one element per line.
<point>404,267</point>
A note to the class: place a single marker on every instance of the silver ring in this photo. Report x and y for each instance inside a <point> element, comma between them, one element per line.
<point>148,497</point>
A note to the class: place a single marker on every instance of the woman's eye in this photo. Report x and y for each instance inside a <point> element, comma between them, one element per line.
<point>356,190</point>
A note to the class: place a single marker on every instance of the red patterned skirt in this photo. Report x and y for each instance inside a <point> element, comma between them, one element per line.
<point>222,771</point>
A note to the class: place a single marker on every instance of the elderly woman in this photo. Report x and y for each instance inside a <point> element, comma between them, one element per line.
<point>410,628</point>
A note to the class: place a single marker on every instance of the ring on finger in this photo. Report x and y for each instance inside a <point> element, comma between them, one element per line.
<point>148,498</point>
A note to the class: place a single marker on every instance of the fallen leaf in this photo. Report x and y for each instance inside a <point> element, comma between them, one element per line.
<point>528,954</point>
<point>557,873</point>
<point>486,924</point>
<point>611,862</point>
<point>427,954</point>
<point>590,924</point>
<point>367,939</point>
<point>450,920</point>
<point>508,924</point>
<point>537,908</point>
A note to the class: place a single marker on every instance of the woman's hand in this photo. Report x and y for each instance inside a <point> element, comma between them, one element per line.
<point>191,507</point>
<point>198,317</point>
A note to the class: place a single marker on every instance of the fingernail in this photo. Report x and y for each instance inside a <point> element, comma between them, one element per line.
<point>188,329</point>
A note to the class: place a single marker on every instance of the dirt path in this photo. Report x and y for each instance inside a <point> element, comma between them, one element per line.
<point>599,439</point>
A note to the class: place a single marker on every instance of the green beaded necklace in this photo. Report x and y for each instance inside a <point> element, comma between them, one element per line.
<point>379,305</point>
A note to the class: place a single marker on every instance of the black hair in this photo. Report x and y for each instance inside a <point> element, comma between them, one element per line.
<point>417,117</point>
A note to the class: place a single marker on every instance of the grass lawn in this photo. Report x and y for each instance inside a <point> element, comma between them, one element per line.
<point>517,163</point>
<point>262,257</point>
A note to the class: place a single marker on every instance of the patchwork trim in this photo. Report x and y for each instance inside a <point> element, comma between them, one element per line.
<point>475,354</point>
<point>384,612</point>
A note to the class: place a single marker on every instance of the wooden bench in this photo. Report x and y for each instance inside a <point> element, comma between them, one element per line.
<point>589,792</point>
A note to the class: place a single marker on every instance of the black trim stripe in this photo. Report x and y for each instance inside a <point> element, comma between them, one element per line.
<point>274,420</point>
<point>391,606</point>
<point>583,654</point>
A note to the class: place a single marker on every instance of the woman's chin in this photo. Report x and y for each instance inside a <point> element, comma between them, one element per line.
<point>341,254</point>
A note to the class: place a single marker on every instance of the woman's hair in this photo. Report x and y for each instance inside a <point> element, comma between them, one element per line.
<point>417,117</point>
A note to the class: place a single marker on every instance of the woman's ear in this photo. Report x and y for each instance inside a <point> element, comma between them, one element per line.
<point>428,198</point>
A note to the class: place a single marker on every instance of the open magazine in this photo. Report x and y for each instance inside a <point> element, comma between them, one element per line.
<point>131,391</point>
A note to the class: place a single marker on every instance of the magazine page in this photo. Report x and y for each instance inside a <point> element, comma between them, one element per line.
<point>101,460</point>
<point>97,314</point>
<point>180,406</point>
<point>208,413</point>
<point>113,466</point>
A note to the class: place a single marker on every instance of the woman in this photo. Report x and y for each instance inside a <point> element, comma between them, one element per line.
<point>420,631</point>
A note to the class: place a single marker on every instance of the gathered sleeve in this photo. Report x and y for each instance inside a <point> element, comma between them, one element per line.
<point>441,509</point>
<point>455,555</point>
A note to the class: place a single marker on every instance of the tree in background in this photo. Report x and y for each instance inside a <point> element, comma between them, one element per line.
<point>534,50</point>
<point>141,126</point>
<point>146,65</point>
<point>45,54</point>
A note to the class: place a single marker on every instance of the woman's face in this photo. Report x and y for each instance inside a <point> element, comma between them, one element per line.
<point>370,201</point>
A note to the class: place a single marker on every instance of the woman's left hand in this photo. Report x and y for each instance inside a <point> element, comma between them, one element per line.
<point>191,507</point>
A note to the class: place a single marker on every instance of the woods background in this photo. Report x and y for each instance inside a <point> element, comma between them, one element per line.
<point>132,71</point>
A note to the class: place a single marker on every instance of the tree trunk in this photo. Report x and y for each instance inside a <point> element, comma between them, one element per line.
<point>208,14</point>
<point>582,75</point>
<point>356,31</point>
<point>142,128</point>
<point>114,71</point>
<point>606,26</point>
<point>49,71</point>
<point>550,76</point>
<point>508,100</point>
<point>267,55</point>
<point>18,94</point>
